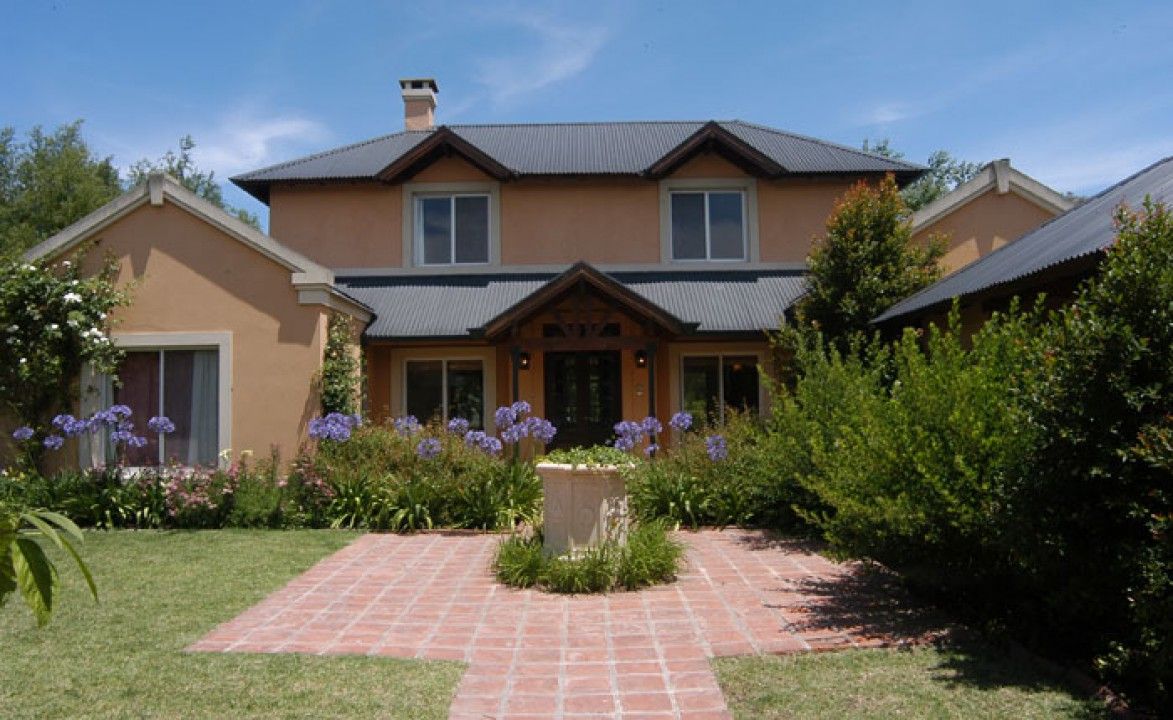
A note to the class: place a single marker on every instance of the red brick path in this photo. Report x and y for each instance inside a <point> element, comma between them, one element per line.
<point>535,655</point>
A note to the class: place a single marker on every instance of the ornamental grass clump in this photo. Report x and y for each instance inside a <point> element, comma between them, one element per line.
<point>649,557</point>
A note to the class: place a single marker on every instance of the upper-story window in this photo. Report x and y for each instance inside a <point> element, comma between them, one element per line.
<point>708,225</point>
<point>708,220</point>
<point>452,229</point>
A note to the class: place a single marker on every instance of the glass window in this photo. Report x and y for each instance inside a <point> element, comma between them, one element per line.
<point>712,383</point>
<point>444,389</point>
<point>708,225</point>
<point>452,229</point>
<point>183,385</point>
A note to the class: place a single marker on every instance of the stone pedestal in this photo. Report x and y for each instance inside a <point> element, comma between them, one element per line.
<point>584,506</point>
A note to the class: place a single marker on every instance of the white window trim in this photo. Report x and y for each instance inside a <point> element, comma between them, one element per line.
<point>749,189</point>
<point>721,355</point>
<point>488,398</point>
<point>413,240</point>
<point>93,454</point>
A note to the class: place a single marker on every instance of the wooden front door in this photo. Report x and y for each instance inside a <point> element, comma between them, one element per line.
<point>583,397</point>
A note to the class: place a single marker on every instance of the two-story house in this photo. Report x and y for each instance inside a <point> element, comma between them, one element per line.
<point>599,271</point>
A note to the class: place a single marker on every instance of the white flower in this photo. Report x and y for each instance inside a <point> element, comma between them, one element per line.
<point>102,316</point>
<point>13,328</point>
<point>71,323</point>
<point>66,263</point>
<point>53,327</point>
<point>73,282</point>
<point>28,267</point>
<point>72,297</point>
<point>23,361</point>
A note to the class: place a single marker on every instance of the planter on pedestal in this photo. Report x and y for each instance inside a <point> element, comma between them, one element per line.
<point>585,505</point>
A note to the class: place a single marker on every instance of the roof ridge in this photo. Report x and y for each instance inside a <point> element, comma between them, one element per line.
<point>827,143</point>
<point>327,153</point>
<point>568,123</point>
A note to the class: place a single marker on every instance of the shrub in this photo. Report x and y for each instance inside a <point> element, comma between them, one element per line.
<point>650,556</point>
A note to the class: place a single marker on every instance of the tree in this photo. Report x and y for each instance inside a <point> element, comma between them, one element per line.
<point>866,262</point>
<point>944,175</point>
<point>48,182</point>
<point>181,166</point>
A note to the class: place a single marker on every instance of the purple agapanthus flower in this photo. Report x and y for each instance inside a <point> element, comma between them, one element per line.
<point>106,417</point>
<point>681,421</point>
<point>541,429</point>
<point>406,425</point>
<point>428,448</point>
<point>334,426</point>
<point>504,417</point>
<point>137,441</point>
<point>483,441</point>
<point>514,434</point>
<point>651,450</point>
<point>121,435</point>
<point>62,421</point>
<point>520,408</point>
<point>651,426</point>
<point>492,446</point>
<point>458,426</point>
<point>23,433</point>
<point>53,442</point>
<point>121,411</point>
<point>161,424</point>
<point>716,447</point>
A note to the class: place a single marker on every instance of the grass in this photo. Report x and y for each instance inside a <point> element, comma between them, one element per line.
<point>649,557</point>
<point>972,682</point>
<point>161,591</point>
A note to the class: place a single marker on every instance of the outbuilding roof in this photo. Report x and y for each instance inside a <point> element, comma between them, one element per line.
<point>1083,231</point>
<point>460,306</point>
<point>608,148</point>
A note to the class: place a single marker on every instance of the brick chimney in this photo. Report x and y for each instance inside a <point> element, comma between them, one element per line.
<point>419,103</point>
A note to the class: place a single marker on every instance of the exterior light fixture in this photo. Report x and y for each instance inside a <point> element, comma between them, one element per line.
<point>641,358</point>
<point>523,361</point>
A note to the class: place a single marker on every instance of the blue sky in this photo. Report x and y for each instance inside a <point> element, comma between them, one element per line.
<point>1077,94</point>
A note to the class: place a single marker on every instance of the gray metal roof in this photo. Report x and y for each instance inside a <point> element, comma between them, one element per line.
<point>1084,230</point>
<point>448,306</point>
<point>614,148</point>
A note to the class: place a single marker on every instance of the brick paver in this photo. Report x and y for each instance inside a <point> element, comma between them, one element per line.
<point>537,655</point>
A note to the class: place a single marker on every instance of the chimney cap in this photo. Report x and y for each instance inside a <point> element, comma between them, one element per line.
<point>419,84</point>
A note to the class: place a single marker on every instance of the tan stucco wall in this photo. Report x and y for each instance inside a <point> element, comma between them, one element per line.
<point>983,225</point>
<point>351,225</point>
<point>543,221</point>
<point>189,277</point>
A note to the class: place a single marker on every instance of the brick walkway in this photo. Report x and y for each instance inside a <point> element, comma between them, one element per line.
<point>535,655</point>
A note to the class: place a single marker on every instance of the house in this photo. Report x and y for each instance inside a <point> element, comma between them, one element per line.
<point>996,206</point>
<point>1052,259</point>
<point>598,271</point>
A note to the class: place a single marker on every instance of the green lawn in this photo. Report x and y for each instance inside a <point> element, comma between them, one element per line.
<point>976,682</point>
<point>160,591</point>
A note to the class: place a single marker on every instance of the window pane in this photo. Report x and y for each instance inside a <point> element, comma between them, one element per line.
<point>191,400</point>
<point>741,382</point>
<point>466,391</point>
<point>726,229</point>
<point>436,226</point>
<point>472,229</point>
<point>425,390</point>
<point>688,226</point>
<point>700,386</point>
<point>139,390</point>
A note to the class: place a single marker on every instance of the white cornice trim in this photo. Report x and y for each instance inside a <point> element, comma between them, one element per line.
<point>715,266</point>
<point>304,273</point>
<point>1001,177</point>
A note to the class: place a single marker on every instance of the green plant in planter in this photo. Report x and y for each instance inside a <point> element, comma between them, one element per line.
<point>594,456</point>
<point>649,557</point>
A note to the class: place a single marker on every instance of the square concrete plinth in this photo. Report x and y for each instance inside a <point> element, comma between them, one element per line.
<point>584,505</point>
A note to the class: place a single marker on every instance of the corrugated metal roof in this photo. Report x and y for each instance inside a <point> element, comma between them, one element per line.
<point>616,148</point>
<point>1081,231</point>
<point>448,306</point>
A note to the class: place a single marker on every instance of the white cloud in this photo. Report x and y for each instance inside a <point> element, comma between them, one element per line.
<point>886,113</point>
<point>560,51</point>
<point>248,139</point>
<point>1086,170</point>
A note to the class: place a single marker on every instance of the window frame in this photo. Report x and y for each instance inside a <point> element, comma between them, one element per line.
<point>749,215</point>
<point>486,394</point>
<point>412,237</point>
<point>97,391</point>
<point>759,357</point>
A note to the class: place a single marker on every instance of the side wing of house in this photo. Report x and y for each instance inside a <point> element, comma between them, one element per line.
<point>224,333</point>
<point>997,206</point>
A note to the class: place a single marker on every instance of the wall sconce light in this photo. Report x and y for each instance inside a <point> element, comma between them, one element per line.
<point>641,358</point>
<point>523,361</point>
